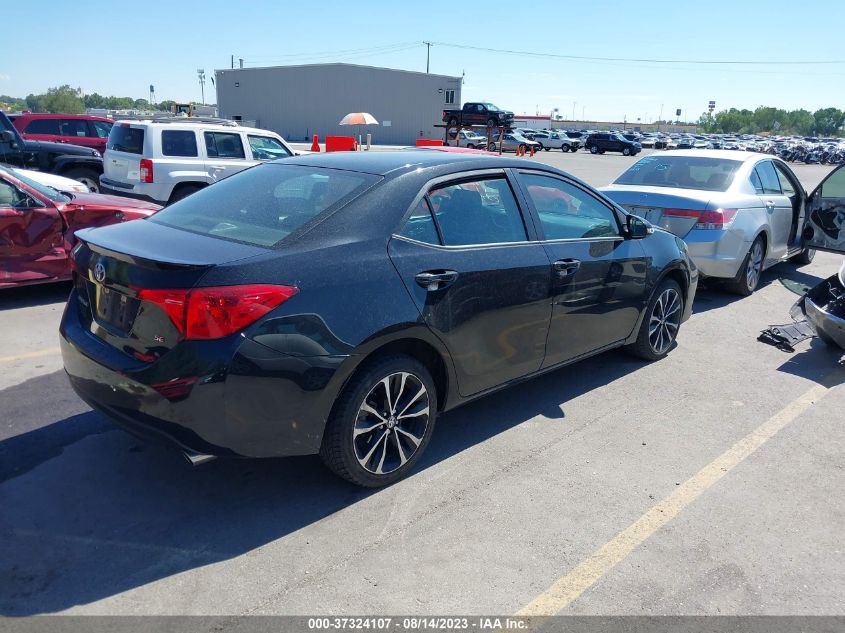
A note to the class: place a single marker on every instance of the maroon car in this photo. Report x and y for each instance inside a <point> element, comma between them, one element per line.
<point>37,225</point>
<point>77,129</point>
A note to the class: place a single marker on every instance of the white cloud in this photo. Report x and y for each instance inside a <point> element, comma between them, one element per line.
<point>5,77</point>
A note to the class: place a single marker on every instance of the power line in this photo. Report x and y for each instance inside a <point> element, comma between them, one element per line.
<point>633,59</point>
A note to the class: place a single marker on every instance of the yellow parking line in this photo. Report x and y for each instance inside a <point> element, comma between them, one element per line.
<point>567,588</point>
<point>50,351</point>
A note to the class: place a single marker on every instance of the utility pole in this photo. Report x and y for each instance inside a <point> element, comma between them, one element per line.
<point>233,62</point>
<point>201,75</point>
<point>427,55</point>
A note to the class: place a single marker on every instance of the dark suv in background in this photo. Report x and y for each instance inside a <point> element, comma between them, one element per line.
<point>602,142</point>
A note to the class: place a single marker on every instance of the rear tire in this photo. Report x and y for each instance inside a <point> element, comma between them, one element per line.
<point>492,123</point>
<point>748,277</point>
<point>805,257</point>
<point>370,431</point>
<point>453,121</point>
<point>183,192</point>
<point>492,148</point>
<point>661,322</point>
<point>87,177</point>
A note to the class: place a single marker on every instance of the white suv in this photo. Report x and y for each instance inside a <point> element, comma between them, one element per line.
<point>165,159</point>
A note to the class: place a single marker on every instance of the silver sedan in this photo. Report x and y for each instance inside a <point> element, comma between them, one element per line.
<point>738,213</point>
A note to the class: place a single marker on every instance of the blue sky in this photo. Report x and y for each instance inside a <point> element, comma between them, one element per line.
<point>164,43</point>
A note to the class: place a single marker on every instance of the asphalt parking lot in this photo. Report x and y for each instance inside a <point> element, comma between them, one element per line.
<point>707,483</point>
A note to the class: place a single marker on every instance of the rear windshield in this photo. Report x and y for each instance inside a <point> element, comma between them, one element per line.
<point>126,139</point>
<point>684,172</point>
<point>263,205</point>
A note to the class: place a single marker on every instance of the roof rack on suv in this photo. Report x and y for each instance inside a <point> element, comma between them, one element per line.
<point>178,119</point>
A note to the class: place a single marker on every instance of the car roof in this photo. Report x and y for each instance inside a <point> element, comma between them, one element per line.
<point>389,162</point>
<point>58,115</point>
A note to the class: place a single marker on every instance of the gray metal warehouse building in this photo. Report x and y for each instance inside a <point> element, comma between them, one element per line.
<point>300,101</point>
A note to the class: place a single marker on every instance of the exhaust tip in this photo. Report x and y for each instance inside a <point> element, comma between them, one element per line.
<point>197,459</point>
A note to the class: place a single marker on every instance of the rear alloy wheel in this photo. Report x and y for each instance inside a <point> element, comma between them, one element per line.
<point>87,177</point>
<point>626,151</point>
<point>748,277</point>
<point>491,123</point>
<point>594,149</point>
<point>661,322</point>
<point>492,148</point>
<point>382,422</point>
<point>453,121</point>
<point>804,257</point>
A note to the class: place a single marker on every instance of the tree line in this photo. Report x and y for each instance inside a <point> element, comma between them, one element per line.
<point>69,100</point>
<point>822,122</point>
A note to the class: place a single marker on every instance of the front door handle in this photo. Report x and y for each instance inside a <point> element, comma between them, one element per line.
<point>566,267</point>
<point>436,279</point>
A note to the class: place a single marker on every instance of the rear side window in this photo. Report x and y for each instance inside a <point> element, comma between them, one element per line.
<point>43,126</point>
<point>420,226</point>
<point>263,205</point>
<point>478,212</point>
<point>123,138</point>
<point>179,143</point>
<point>684,172</point>
<point>224,145</point>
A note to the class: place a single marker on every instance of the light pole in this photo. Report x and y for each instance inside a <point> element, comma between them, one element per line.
<point>573,111</point>
<point>552,118</point>
<point>201,75</point>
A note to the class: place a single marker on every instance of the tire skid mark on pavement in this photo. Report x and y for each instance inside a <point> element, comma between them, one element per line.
<point>570,586</point>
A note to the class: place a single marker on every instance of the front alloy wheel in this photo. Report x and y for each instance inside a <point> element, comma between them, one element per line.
<point>382,422</point>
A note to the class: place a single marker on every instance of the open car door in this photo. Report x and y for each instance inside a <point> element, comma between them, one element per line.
<point>824,226</point>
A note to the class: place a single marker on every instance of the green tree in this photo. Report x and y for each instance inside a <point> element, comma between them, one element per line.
<point>63,99</point>
<point>33,102</point>
<point>800,122</point>
<point>828,121</point>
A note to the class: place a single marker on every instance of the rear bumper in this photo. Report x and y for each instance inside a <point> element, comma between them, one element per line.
<point>149,193</point>
<point>241,398</point>
<point>717,253</point>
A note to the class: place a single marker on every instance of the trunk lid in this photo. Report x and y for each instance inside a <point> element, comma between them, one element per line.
<point>125,148</point>
<point>675,212</point>
<point>114,264</point>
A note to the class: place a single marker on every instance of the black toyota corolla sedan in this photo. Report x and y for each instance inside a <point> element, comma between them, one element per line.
<point>335,303</point>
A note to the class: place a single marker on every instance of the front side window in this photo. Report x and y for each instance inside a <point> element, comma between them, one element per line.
<point>785,182</point>
<point>101,128</point>
<point>766,171</point>
<point>477,212</point>
<point>179,143</point>
<point>223,145</point>
<point>566,211</point>
<point>263,205</point>
<point>11,196</point>
<point>267,148</point>
<point>74,127</point>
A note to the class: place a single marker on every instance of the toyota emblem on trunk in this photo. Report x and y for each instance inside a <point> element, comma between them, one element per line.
<point>99,272</point>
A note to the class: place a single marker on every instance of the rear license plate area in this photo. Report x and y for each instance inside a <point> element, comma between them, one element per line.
<point>114,308</point>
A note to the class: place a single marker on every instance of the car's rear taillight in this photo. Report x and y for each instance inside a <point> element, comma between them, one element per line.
<point>211,313</point>
<point>146,170</point>
<point>717,219</point>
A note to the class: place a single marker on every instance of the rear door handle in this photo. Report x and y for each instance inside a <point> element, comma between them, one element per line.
<point>436,279</point>
<point>566,267</point>
<point>770,205</point>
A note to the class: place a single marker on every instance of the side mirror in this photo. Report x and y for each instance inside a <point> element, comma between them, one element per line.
<point>638,228</point>
<point>6,136</point>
